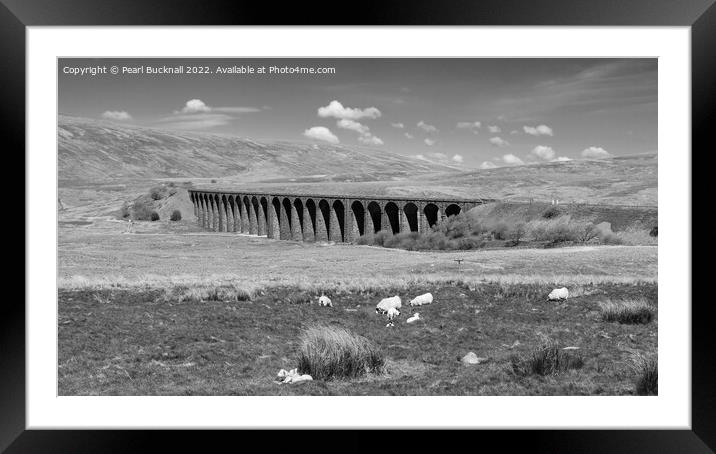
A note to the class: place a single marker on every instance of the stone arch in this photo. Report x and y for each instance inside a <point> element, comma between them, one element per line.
<point>319,226</point>
<point>392,212</point>
<point>245,218</point>
<point>304,220</point>
<point>218,223</point>
<point>376,216</point>
<point>452,210</point>
<point>432,214</point>
<point>230,226</point>
<point>338,221</point>
<point>257,216</point>
<point>412,218</point>
<point>275,216</point>
<point>323,220</point>
<point>236,207</point>
<point>358,212</point>
<point>263,216</point>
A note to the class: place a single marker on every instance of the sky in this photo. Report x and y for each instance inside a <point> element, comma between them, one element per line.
<point>471,112</point>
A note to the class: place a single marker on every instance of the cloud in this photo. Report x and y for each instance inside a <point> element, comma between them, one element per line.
<point>194,106</point>
<point>370,140</point>
<point>420,156</point>
<point>487,165</point>
<point>409,136</point>
<point>541,130</point>
<point>397,125</point>
<point>473,126</point>
<point>430,142</point>
<point>499,142</point>
<point>118,115</point>
<point>561,159</point>
<point>512,160</point>
<point>494,129</point>
<point>458,158</point>
<point>238,110</point>
<point>596,153</point>
<point>335,109</point>
<point>543,152</point>
<point>514,132</point>
<point>321,133</point>
<point>430,129</point>
<point>353,126</point>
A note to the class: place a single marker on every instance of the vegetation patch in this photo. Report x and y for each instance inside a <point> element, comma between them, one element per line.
<point>548,359</point>
<point>631,311</point>
<point>329,352</point>
<point>646,369</point>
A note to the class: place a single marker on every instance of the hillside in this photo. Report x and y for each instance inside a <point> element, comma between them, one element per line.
<point>93,150</point>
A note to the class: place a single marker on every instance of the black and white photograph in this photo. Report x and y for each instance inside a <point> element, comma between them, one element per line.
<point>357,226</point>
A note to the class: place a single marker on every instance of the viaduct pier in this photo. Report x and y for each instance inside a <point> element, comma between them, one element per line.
<point>319,217</point>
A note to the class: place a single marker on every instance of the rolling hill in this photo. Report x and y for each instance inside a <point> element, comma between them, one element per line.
<point>93,150</point>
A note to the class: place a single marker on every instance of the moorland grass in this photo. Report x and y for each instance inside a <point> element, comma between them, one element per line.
<point>646,369</point>
<point>547,359</point>
<point>329,352</point>
<point>630,311</point>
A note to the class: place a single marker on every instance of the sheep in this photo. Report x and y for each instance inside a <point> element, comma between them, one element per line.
<point>558,294</point>
<point>292,376</point>
<point>387,303</point>
<point>392,314</point>
<point>325,301</point>
<point>414,318</point>
<point>426,298</point>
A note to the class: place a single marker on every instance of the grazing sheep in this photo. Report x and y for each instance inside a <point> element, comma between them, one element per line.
<point>426,298</point>
<point>292,376</point>
<point>387,303</point>
<point>414,318</point>
<point>558,294</point>
<point>325,301</point>
<point>392,314</point>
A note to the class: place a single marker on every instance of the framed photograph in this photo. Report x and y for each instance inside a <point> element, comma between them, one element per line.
<point>415,218</point>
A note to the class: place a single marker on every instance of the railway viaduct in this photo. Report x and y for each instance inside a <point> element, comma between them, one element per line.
<point>316,217</point>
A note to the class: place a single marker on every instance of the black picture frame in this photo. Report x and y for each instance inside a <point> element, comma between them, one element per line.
<point>700,15</point>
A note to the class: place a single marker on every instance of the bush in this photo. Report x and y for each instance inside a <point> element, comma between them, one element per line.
<point>213,181</point>
<point>141,211</point>
<point>154,216</point>
<point>156,193</point>
<point>176,216</point>
<point>556,230</point>
<point>627,311</point>
<point>551,212</point>
<point>548,359</point>
<point>646,369</point>
<point>654,231</point>
<point>329,352</point>
<point>124,211</point>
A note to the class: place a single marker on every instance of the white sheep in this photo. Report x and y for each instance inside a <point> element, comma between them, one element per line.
<point>392,314</point>
<point>387,303</point>
<point>414,318</point>
<point>426,298</point>
<point>325,301</point>
<point>558,294</point>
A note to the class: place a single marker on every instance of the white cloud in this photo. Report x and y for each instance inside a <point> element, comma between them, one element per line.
<point>335,109</point>
<point>596,153</point>
<point>494,129</point>
<point>397,125</point>
<point>458,158</point>
<point>119,115</point>
<point>191,121</point>
<point>194,106</point>
<point>561,159</point>
<point>370,140</point>
<point>420,156</point>
<point>409,136</point>
<point>430,142</point>
<point>499,142</point>
<point>321,133</point>
<point>238,109</point>
<point>541,130</point>
<point>430,129</point>
<point>487,165</point>
<point>514,132</point>
<point>473,126</point>
<point>353,126</point>
<point>543,152</point>
<point>512,160</point>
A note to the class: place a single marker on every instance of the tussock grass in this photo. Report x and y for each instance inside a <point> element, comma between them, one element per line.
<point>627,311</point>
<point>329,352</point>
<point>646,369</point>
<point>548,359</point>
<point>207,293</point>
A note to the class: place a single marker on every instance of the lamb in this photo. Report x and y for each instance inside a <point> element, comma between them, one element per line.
<point>426,298</point>
<point>558,294</point>
<point>414,318</point>
<point>392,314</point>
<point>387,303</point>
<point>325,301</point>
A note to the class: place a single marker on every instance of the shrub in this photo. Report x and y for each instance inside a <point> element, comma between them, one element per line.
<point>548,359</point>
<point>176,216</point>
<point>124,211</point>
<point>141,211</point>
<point>646,369</point>
<point>329,352</point>
<point>213,181</point>
<point>555,230</point>
<point>156,193</point>
<point>551,212</point>
<point>627,311</point>
<point>380,237</point>
<point>654,231</point>
<point>208,293</point>
<point>154,216</point>
<point>610,238</point>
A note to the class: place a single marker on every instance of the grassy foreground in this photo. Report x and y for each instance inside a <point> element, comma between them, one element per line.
<point>142,341</point>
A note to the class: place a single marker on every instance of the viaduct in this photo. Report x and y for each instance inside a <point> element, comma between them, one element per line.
<point>315,217</point>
